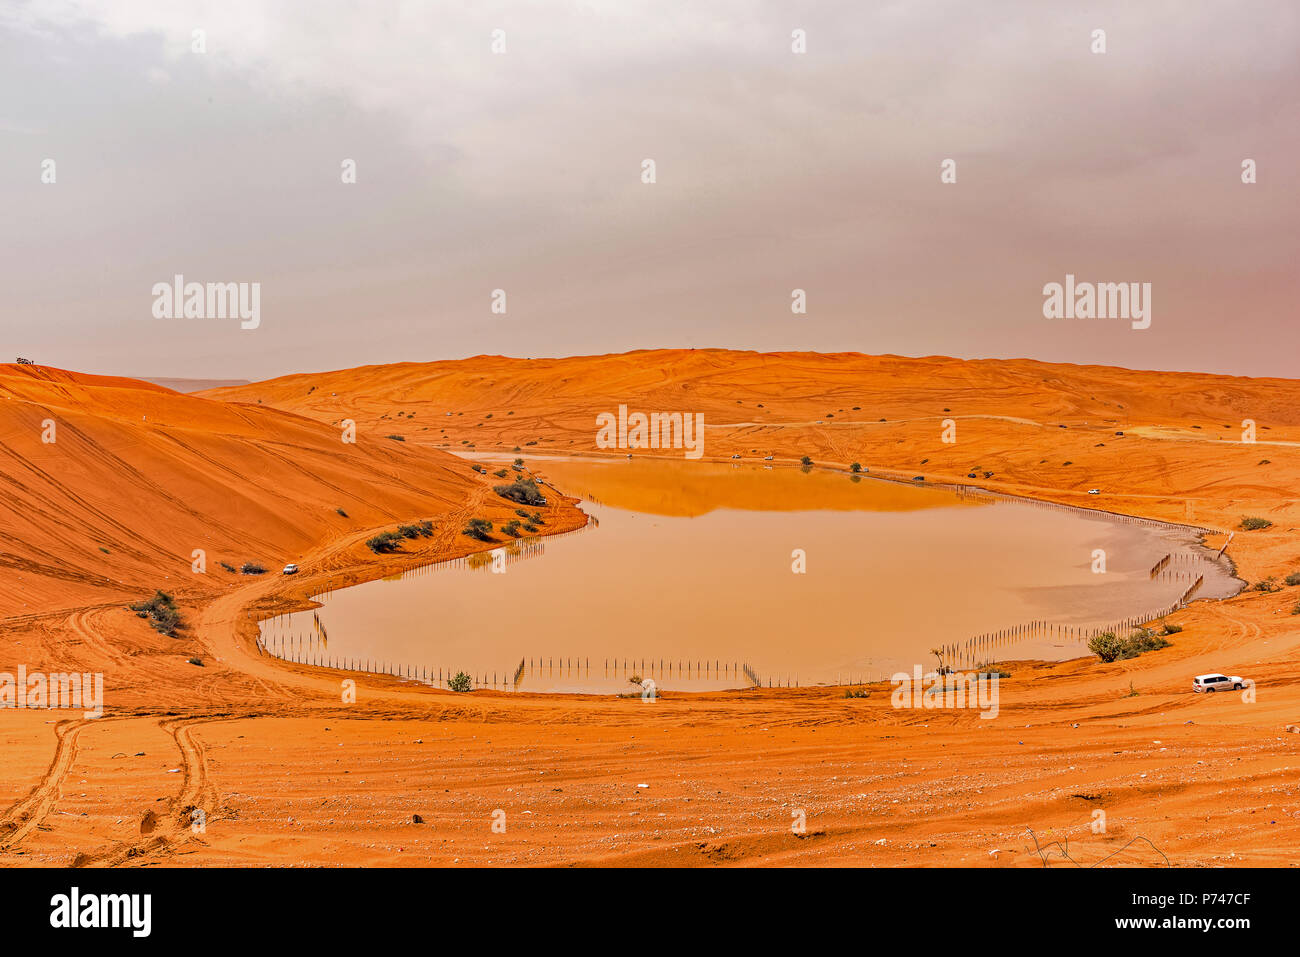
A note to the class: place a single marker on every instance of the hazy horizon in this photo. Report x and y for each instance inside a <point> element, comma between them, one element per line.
<point>522,170</point>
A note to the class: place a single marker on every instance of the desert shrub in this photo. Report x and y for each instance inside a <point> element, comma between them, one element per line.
<point>1106,646</point>
<point>857,693</point>
<point>384,542</point>
<point>1252,523</point>
<point>229,567</point>
<point>196,661</point>
<point>806,460</point>
<point>1293,578</point>
<point>408,531</point>
<point>511,528</point>
<point>523,491</point>
<point>501,473</point>
<point>1268,584</point>
<point>1110,647</point>
<point>1173,629</point>
<point>855,467</point>
<point>479,528</point>
<point>461,682</point>
<point>519,462</point>
<point>1296,609</point>
<point>341,512</point>
<point>398,438</point>
<point>1142,640</point>
<point>530,527</point>
<point>161,611</point>
<point>251,568</point>
<point>479,469</point>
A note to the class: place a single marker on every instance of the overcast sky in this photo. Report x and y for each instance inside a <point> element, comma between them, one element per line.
<point>522,171</point>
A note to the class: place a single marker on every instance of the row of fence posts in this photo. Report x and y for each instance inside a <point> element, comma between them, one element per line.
<point>982,649</point>
<point>281,639</point>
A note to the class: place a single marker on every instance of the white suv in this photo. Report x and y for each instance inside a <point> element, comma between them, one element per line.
<point>1217,682</point>
<point>291,569</point>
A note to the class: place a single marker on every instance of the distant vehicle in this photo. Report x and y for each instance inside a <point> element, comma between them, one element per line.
<point>918,478</point>
<point>736,456</point>
<point>291,569</point>
<point>1216,682</point>
<point>768,458</point>
<point>970,475</point>
<point>1094,491</point>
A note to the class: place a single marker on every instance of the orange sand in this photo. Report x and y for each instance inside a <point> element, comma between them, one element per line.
<point>287,773</point>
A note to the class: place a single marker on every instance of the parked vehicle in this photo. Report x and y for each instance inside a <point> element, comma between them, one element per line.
<point>1216,682</point>
<point>1094,491</point>
<point>291,569</point>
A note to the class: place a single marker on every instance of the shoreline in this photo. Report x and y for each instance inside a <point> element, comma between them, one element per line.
<point>307,602</point>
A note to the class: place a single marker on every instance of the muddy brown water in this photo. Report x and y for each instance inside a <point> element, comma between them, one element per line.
<point>688,574</point>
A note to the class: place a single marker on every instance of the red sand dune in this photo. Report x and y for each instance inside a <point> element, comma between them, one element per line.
<point>287,773</point>
<point>138,476</point>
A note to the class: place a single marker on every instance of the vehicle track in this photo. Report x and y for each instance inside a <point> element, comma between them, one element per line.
<point>26,815</point>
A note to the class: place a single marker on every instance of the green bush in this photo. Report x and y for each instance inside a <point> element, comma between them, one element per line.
<point>251,568</point>
<point>384,543</point>
<point>161,611</point>
<point>398,438</point>
<point>511,528</point>
<point>461,682</point>
<point>1268,584</point>
<point>1252,524</point>
<point>523,491</point>
<point>806,460</point>
<point>855,467</point>
<point>479,528</point>
<point>1110,647</point>
<point>1293,578</point>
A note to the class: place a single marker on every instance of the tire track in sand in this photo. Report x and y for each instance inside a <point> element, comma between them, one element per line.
<point>23,817</point>
<point>178,823</point>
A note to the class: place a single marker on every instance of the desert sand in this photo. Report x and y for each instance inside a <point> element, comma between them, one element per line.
<point>286,773</point>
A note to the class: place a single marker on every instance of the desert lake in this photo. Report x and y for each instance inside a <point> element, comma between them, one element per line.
<point>705,575</point>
